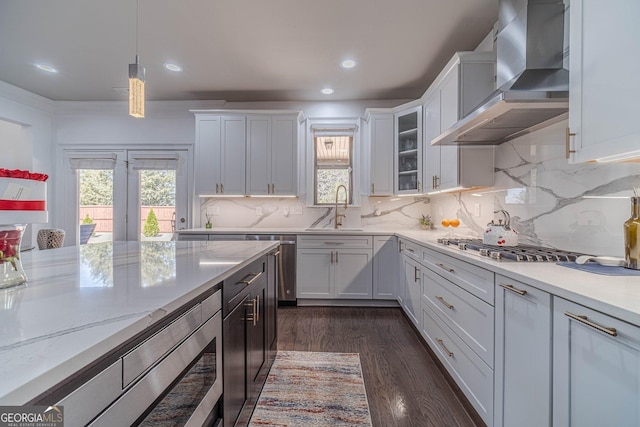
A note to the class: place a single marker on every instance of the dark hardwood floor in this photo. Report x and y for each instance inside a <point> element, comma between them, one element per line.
<point>404,385</point>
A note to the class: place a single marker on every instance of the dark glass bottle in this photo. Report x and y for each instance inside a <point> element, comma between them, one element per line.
<point>632,236</point>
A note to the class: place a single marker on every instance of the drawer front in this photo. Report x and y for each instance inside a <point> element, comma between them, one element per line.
<point>471,374</point>
<point>468,316</point>
<point>335,242</point>
<point>211,305</point>
<point>104,388</point>
<point>192,237</point>
<point>478,281</point>
<point>410,249</point>
<point>146,354</point>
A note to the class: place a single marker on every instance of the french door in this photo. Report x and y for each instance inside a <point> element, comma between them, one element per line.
<point>124,195</point>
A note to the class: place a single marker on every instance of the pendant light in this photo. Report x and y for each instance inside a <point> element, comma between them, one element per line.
<point>136,82</point>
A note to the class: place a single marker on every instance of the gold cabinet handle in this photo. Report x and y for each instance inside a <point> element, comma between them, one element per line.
<point>252,316</point>
<point>217,188</point>
<point>567,143</point>
<point>400,246</point>
<point>513,289</point>
<point>446,304</point>
<point>331,257</point>
<point>250,281</point>
<point>437,182</point>
<point>433,182</point>
<point>415,274</point>
<point>410,250</point>
<point>444,347</point>
<point>444,267</point>
<point>257,316</point>
<point>334,243</point>
<point>583,319</point>
<point>373,188</point>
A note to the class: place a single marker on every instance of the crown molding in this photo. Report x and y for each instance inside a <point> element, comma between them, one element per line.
<point>24,97</point>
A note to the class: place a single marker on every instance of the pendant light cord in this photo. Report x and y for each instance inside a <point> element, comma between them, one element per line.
<point>137,31</point>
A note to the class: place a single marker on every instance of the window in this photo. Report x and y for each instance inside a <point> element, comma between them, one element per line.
<point>333,154</point>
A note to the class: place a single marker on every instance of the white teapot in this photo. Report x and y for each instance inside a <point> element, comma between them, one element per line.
<point>500,234</point>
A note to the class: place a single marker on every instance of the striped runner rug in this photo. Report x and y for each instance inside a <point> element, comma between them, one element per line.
<point>313,389</point>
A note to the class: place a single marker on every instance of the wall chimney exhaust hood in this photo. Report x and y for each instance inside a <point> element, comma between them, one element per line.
<point>532,83</point>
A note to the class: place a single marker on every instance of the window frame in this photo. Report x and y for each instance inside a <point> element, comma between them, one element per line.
<point>348,166</point>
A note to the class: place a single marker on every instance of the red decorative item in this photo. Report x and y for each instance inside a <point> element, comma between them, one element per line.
<point>22,174</point>
<point>11,272</point>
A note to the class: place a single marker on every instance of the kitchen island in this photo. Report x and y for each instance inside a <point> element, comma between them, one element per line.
<point>83,302</point>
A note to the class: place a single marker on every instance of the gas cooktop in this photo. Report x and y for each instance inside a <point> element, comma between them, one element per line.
<point>523,253</point>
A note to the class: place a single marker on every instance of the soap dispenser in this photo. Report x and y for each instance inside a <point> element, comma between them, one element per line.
<point>632,236</point>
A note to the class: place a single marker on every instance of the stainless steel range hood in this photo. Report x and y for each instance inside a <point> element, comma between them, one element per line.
<point>532,83</point>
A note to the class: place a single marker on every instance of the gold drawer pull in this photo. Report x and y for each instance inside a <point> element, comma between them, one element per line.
<point>513,289</point>
<point>446,304</point>
<point>334,243</point>
<point>253,279</point>
<point>567,143</point>
<point>586,321</point>
<point>444,347</point>
<point>410,250</point>
<point>444,267</point>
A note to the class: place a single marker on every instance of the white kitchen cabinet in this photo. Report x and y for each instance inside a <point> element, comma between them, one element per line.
<point>603,84</point>
<point>596,368</point>
<point>408,151</point>
<point>385,271</point>
<point>220,154</point>
<point>522,355</point>
<point>271,155</point>
<point>381,143</point>
<point>330,267</point>
<point>462,85</point>
<point>412,290</point>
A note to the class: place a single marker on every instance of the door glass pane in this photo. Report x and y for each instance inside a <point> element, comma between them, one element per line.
<point>96,205</point>
<point>157,204</point>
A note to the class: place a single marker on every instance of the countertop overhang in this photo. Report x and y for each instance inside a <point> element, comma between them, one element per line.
<point>82,302</point>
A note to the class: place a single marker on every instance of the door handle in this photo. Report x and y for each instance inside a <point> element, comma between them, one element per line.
<point>222,188</point>
<point>446,304</point>
<point>257,308</point>
<point>513,289</point>
<point>586,321</point>
<point>442,266</point>
<point>415,274</point>
<point>217,188</point>
<point>331,257</point>
<point>250,281</point>
<point>336,257</point>
<point>567,143</point>
<point>444,347</point>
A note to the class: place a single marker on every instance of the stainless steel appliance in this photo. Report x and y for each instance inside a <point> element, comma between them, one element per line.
<point>532,83</point>
<point>522,253</point>
<point>286,271</point>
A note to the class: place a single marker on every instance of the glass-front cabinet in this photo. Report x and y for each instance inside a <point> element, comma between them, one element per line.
<point>408,149</point>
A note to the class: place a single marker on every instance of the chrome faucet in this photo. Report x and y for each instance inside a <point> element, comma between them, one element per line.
<point>337,221</point>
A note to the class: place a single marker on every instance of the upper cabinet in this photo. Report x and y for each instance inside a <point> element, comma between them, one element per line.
<point>465,82</point>
<point>381,137</point>
<point>240,154</point>
<point>271,155</point>
<point>220,152</point>
<point>408,149</point>
<point>603,84</point>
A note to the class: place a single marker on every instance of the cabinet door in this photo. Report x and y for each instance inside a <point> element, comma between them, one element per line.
<point>596,370</point>
<point>449,115</point>
<point>413,290</point>
<point>314,277</point>
<point>523,355</point>
<point>353,273</point>
<point>284,155</point>
<point>258,154</point>
<point>256,344</point>
<point>232,156</point>
<point>234,363</point>
<point>381,140</point>
<point>401,289</point>
<point>408,146</point>
<point>385,271</point>
<point>432,130</point>
<point>207,173</point>
<point>604,86</point>
<point>271,304</point>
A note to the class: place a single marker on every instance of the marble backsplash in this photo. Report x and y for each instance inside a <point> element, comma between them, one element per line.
<point>552,203</point>
<point>380,213</point>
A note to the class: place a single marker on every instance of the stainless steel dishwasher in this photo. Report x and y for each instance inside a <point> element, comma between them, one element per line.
<point>286,266</point>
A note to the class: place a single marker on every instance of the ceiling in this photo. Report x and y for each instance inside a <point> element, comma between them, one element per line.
<point>237,50</point>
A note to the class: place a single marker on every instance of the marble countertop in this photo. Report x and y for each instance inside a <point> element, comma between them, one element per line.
<point>81,302</point>
<point>618,296</point>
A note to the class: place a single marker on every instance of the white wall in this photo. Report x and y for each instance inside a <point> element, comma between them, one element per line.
<point>31,145</point>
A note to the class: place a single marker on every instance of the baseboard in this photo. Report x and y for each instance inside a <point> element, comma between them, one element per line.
<point>347,303</point>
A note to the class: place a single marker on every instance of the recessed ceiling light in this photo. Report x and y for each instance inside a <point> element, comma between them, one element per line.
<point>327,91</point>
<point>348,63</point>
<point>172,67</point>
<point>47,68</point>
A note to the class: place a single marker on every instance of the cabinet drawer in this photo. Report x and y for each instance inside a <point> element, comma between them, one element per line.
<point>473,376</point>
<point>410,249</point>
<point>478,281</point>
<point>146,354</point>
<point>468,316</point>
<point>335,242</point>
